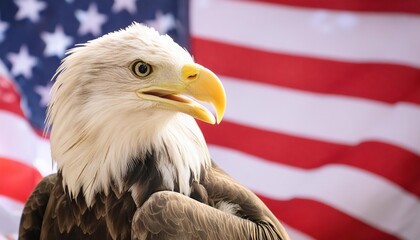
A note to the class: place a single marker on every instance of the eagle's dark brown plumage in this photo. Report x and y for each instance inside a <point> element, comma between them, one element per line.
<point>132,163</point>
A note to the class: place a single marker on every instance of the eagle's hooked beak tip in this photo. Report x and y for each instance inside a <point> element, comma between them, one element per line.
<point>204,85</point>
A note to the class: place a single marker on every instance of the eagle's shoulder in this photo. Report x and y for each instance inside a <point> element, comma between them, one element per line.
<point>33,212</point>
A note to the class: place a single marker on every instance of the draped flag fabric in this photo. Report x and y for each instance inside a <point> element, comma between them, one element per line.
<point>323,112</point>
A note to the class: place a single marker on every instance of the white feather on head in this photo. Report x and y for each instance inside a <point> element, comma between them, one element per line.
<point>98,124</point>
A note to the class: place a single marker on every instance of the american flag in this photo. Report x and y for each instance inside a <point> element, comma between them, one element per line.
<point>323,115</point>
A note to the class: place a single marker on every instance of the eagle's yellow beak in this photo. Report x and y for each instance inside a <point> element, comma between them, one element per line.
<point>197,82</point>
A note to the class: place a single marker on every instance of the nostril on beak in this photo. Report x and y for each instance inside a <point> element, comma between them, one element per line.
<point>190,72</point>
<point>192,76</point>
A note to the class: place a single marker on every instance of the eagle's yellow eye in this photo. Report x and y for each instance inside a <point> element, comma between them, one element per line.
<point>140,68</point>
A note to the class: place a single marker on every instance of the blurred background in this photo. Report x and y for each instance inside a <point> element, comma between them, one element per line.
<point>323,116</point>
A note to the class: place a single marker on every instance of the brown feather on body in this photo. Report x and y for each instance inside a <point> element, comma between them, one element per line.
<point>117,215</point>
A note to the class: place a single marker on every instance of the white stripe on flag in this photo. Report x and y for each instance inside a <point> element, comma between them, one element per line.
<point>342,35</point>
<point>333,118</point>
<point>10,212</point>
<point>19,142</point>
<point>350,190</point>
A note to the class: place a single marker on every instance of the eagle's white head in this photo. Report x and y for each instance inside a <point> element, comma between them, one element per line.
<point>125,94</point>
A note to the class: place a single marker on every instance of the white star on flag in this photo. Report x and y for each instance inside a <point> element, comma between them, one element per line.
<point>163,22</point>
<point>91,20</point>
<point>129,5</point>
<point>44,92</point>
<point>22,62</point>
<point>29,9</point>
<point>3,28</point>
<point>56,42</point>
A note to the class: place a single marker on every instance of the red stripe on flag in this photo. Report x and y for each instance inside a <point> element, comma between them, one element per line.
<point>17,179</point>
<point>395,164</point>
<point>322,221</point>
<point>407,6</point>
<point>383,82</point>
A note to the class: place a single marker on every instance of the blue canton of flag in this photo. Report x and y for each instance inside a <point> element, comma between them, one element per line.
<point>34,35</point>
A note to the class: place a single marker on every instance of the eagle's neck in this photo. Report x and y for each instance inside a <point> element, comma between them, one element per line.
<point>95,161</point>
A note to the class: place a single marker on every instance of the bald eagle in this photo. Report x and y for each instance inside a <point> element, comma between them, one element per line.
<point>132,162</point>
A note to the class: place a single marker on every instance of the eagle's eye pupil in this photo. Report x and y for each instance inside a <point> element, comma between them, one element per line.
<point>141,69</point>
